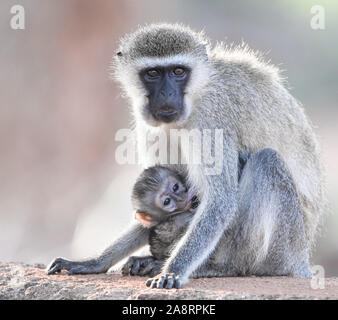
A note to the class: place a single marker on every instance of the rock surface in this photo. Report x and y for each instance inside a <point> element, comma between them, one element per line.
<point>21,281</point>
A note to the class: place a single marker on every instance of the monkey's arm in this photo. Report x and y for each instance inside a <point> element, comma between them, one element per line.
<point>199,241</point>
<point>135,237</point>
<point>213,217</point>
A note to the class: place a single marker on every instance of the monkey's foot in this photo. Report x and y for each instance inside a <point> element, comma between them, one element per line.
<point>57,265</point>
<point>165,281</point>
<point>142,266</point>
<point>73,267</point>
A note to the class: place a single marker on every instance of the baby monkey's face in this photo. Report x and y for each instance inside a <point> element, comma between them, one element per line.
<point>160,193</point>
<point>174,197</point>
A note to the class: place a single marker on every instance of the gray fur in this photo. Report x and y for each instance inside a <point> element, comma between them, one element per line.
<point>246,97</point>
<point>266,224</point>
<point>267,236</point>
<point>163,238</point>
<point>161,42</point>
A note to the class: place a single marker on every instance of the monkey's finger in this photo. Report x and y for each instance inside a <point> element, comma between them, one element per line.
<point>53,264</point>
<point>127,266</point>
<point>50,267</point>
<point>154,283</point>
<point>55,269</point>
<point>149,282</point>
<point>146,270</point>
<point>135,268</point>
<point>161,281</point>
<point>170,282</point>
<point>152,269</point>
<point>125,270</point>
<point>178,282</point>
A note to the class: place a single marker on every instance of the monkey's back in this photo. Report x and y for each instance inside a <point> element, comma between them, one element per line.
<point>261,113</point>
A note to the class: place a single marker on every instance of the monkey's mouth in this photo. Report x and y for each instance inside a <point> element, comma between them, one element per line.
<point>167,116</point>
<point>192,203</point>
<point>167,112</point>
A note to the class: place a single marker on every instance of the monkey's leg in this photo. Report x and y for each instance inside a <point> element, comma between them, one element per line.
<point>142,266</point>
<point>268,234</point>
<point>135,237</point>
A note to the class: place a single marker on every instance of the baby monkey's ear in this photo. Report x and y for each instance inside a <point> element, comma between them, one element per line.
<point>144,218</point>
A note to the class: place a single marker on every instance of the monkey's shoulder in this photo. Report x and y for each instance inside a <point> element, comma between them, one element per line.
<point>242,62</point>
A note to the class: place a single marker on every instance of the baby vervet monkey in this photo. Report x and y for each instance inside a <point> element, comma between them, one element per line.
<point>161,192</point>
<point>165,203</point>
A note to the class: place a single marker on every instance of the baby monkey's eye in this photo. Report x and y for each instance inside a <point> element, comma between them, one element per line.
<point>166,201</point>
<point>175,187</point>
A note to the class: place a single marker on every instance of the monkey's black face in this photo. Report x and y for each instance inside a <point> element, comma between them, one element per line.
<point>165,91</point>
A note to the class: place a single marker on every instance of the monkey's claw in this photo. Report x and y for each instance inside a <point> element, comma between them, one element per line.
<point>75,267</point>
<point>57,265</point>
<point>165,281</point>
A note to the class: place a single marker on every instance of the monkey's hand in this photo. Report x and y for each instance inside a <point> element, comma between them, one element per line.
<point>142,266</point>
<point>75,267</point>
<point>165,281</point>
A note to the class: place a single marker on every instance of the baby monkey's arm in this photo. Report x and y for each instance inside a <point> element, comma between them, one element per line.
<point>135,237</point>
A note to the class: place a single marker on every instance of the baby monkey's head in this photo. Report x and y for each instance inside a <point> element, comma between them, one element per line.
<point>161,192</point>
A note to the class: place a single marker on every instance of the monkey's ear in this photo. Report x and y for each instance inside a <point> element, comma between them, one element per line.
<point>119,54</point>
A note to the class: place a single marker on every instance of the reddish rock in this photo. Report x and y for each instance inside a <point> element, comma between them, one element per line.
<point>20,281</point>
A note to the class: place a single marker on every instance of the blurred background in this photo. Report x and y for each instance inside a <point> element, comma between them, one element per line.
<point>61,191</point>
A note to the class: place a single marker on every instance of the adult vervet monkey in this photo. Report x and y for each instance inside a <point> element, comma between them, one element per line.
<point>263,224</point>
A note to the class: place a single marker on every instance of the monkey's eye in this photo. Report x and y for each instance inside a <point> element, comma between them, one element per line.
<point>166,201</point>
<point>179,71</point>
<point>153,73</point>
<point>175,187</point>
